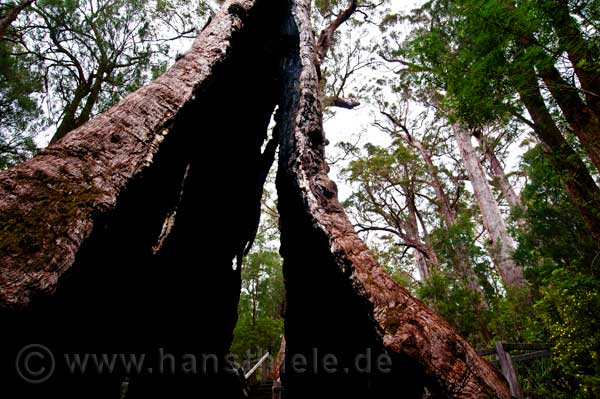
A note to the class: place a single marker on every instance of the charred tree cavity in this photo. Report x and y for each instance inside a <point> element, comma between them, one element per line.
<point>344,314</point>
<point>125,237</point>
<point>136,220</point>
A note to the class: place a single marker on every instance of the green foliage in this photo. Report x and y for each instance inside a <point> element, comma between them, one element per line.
<point>80,57</point>
<point>562,263</point>
<point>252,340</point>
<point>569,311</point>
<point>556,236</point>
<point>260,310</point>
<point>18,104</point>
<point>456,242</point>
<point>456,304</point>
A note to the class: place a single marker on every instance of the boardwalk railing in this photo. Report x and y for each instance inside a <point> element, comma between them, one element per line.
<point>505,362</point>
<point>257,365</point>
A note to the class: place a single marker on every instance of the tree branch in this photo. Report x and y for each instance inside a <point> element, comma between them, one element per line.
<point>326,36</point>
<point>12,15</point>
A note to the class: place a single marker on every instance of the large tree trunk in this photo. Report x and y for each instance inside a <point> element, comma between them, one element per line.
<point>581,118</point>
<point>501,241</point>
<point>582,53</point>
<point>120,237</point>
<point>340,302</point>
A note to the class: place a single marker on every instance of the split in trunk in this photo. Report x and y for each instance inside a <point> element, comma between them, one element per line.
<point>496,172</point>
<point>121,237</point>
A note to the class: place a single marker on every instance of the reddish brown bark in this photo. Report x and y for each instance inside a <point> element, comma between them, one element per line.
<point>582,53</point>
<point>326,36</point>
<point>340,102</point>
<point>84,173</point>
<point>373,308</point>
<point>581,118</point>
<point>121,236</point>
<point>276,375</point>
<point>85,254</point>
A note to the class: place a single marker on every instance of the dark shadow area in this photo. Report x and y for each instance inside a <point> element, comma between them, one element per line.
<point>334,348</point>
<point>127,295</point>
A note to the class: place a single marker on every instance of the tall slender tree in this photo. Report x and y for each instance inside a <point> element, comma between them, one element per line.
<point>442,202</point>
<point>490,73</point>
<point>500,240</point>
<point>496,171</point>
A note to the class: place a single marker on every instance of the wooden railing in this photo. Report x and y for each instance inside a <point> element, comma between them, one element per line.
<point>260,363</point>
<point>505,362</point>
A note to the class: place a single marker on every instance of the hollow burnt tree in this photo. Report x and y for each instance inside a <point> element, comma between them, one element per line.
<point>122,237</point>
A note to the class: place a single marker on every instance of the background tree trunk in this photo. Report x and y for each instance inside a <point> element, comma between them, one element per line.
<point>496,171</point>
<point>581,118</point>
<point>573,173</point>
<point>461,261</point>
<point>501,242</point>
<point>582,53</point>
<point>353,306</point>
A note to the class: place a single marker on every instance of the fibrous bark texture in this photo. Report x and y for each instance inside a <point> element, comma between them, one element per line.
<point>120,237</point>
<point>340,303</point>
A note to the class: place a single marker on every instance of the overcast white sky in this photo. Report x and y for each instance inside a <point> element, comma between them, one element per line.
<point>349,125</point>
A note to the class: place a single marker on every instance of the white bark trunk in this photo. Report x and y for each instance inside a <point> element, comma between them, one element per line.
<point>501,242</point>
<point>497,172</point>
<point>449,216</point>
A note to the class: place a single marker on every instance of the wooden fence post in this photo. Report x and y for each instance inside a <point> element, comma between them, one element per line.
<point>508,369</point>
